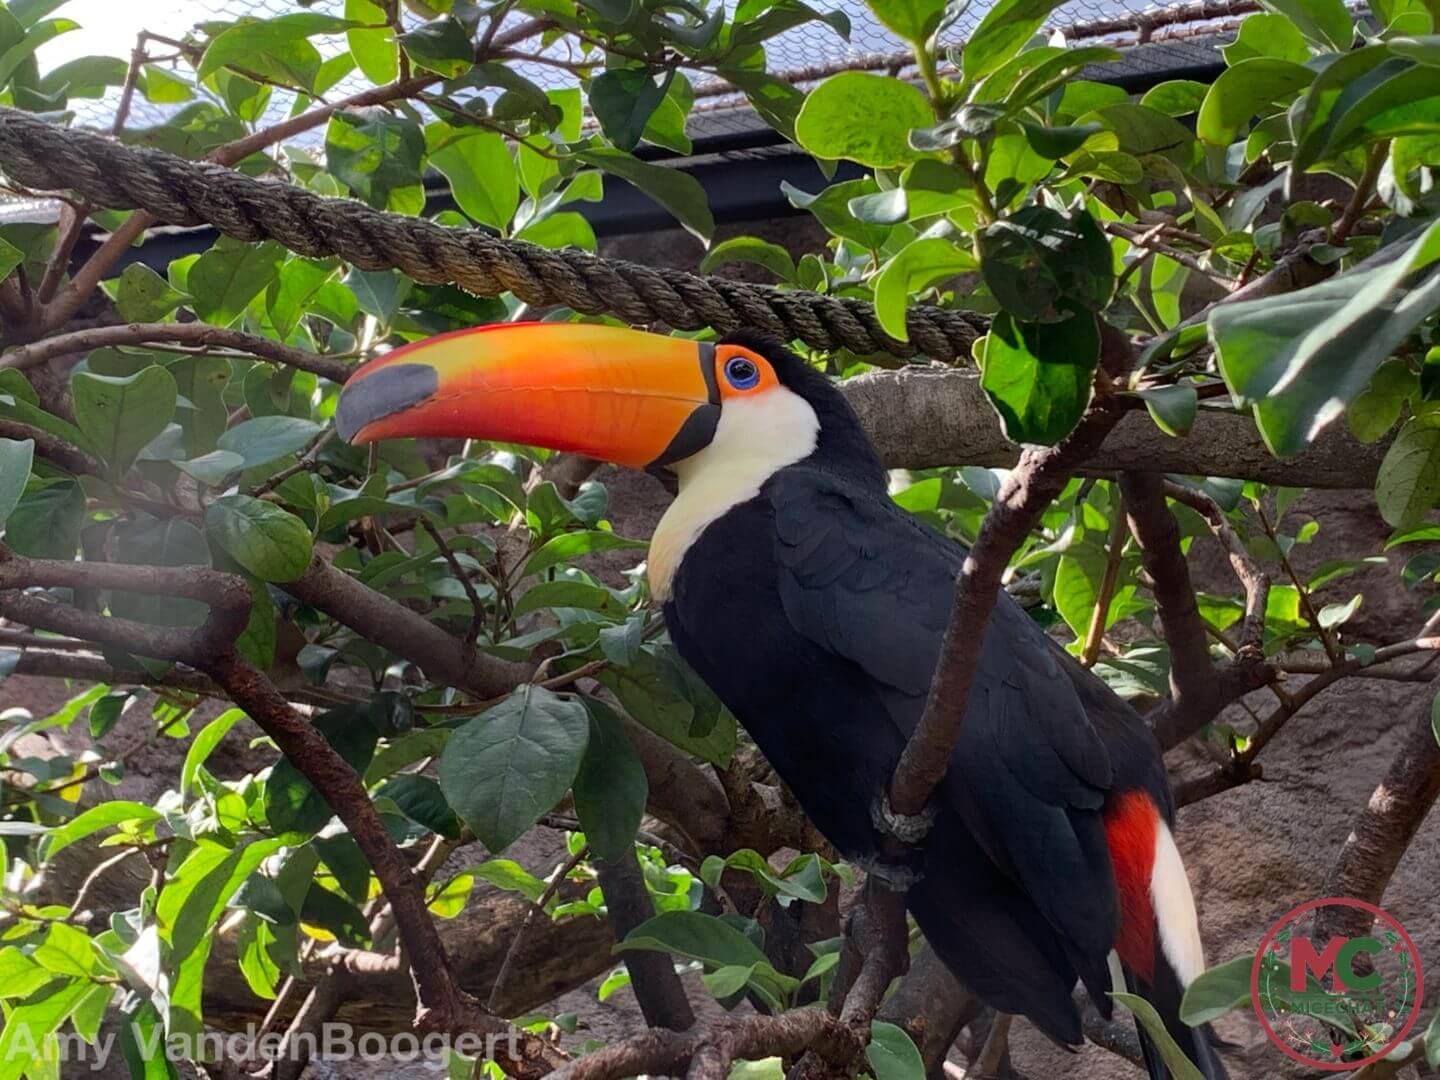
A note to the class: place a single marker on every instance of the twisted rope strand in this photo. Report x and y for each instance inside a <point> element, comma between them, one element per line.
<point>46,156</point>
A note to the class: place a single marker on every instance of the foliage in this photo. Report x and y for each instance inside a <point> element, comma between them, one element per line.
<point>1000,181</point>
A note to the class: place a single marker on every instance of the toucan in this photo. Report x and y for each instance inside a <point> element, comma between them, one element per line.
<point>814,607</point>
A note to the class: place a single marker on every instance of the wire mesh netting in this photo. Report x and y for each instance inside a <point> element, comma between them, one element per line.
<point>802,55</point>
<point>1174,37</point>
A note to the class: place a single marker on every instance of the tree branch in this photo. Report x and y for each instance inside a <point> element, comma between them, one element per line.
<point>193,333</point>
<point>1382,831</point>
<point>657,988</point>
<point>926,417</point>
<point>443,1006</point>
<point>1022,498</point>
<point>52,449</point>
<point>1197,690</point>
<point>406,633</point>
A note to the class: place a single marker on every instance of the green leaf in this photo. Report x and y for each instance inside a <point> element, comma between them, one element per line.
<point>694,936</point>
<point>204,745</point>
<point>1180,1066</point>
<point>678,192</point>
<point>892,1055</point>
<point>120,416</point>
<point>1408,484</point>
<point>271,543</point>
<point>1378,407</point>
<point>862,117</point>
<point>1038,376</point>
<point>144,296</point>
<point>1325,23</point>
<point>188,910</point>
<point>18,55</point>
<point>1218,991</point>
<point>1006,27</point>
<point>30,1023</point>
<point>1143,131</point>
<point>832,209</point>
<point>106,815</point>
<point>1057,142</point>
<point>16,459</point>
<point>10,257</point>
<point>776,101</point>
<point>751,249</point>
<point>375,51</point>
<point>1364,96</point>
<point>46,522</point>
<point>288,296</point>
<point>1299,358</point>
<point>913,20</point>
<point>1041,264</point>
<point>610,788</point>
<point>623,100</point>
<point>441,46</point>
<point>377,156</point>
<point>565,229</point>
<point>661,692</point>
<point>919,265</point>
<point>266,438</point>
<point>1244,90</point>
<point>514,762</point>
<point>882,207</point>
<point>273,47</point>
<point>482,174</point>
<point>156,542</point>
<point>1266,34</point>
<point>1171,407</point>
<point>572,545</point>
<point>226,278</point>
<point>1175,97</point>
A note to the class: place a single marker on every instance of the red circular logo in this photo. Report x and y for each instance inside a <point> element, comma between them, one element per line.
<point>1342,1003</point>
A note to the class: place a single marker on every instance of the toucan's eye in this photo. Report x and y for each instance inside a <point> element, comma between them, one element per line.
<point>742,374</point>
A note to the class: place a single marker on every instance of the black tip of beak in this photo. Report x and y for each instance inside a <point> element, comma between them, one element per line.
<point>388,391</point>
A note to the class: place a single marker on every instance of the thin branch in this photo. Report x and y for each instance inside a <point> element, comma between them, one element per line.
<point>50,447</point>
<point>1253,578</point>
<point>1360,197</point>
<point>552,887</point>
<point>305,464</point>
<point>1307,606</point>
<point>1115,550</point>
<point>193,333</point>
<point>477,609</point>
<point>658,1052</point>
<point>1145,239</point>
<point>997,1047</point>
<point>1023,497</point>
<point>404,632</point>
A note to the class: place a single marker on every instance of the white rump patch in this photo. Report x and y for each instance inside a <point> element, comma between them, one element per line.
<point>756,437</point>
<point>1175,909</point>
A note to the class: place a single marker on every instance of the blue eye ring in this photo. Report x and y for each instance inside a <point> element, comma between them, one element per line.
<point>741,372</point>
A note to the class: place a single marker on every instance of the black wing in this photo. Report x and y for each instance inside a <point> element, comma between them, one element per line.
<point>873,585</point>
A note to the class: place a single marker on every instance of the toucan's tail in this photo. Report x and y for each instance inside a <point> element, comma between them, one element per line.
<point>1159,940</point>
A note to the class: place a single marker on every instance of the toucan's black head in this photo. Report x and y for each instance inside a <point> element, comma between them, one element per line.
<point>638,399</point>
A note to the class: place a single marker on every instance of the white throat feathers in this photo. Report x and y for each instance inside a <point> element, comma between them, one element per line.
<point>755,438</point>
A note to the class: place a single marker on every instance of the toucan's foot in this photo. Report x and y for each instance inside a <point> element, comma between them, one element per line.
<point>907,828</point>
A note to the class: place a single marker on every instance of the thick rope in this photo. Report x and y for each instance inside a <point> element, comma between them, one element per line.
<point>45,156</point>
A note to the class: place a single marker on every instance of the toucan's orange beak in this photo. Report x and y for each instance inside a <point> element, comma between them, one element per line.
<point>620,395</point>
